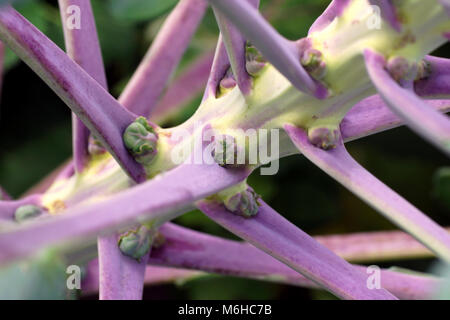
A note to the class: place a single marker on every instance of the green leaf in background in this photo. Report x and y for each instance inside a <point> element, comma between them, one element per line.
<point>139,10</point>
<point>442,186</point>
<point>42,277</point>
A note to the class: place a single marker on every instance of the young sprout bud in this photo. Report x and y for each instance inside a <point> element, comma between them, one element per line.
<point>324,138</point>
<point>313,62</point>
<point>141,140</point>
<point>401,69</point>
<point>254,61</point>
<point>95,147</point>
<point>225,151</point>
<point>136,243</point>
<point>244,203</point>
<point>228,82</point>
<point>26,212</point>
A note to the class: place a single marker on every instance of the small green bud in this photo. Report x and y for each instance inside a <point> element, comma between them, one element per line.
<point>225,152</point>
<point>254,61</point>
<point>141,140</point>
<point>136,243</point>
<point>244,203</point>
<point>324,138</point>
<point>27,212</point>
<point>312,60</point>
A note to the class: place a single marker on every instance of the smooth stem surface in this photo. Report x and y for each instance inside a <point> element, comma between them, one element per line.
<point>343,168</point>
<point>273,234</point>
<point>418,115</point>
<point>185,248</point>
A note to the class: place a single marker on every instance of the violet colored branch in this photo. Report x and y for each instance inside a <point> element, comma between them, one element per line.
<point>334,9</point>
<point>282,53</point>
<point>120,277</point>
<point>437,84</point>
<point>184,88</point>
<point>154,275</point>
<point>371,116</point>
<point>419,116</point>
<point>219,67</point>
<point>102,114</point>
<point>343,168</point>
<point>83,47</point>
<point>235,46</point>
<point>145,87</point>
<point>188,249</point>
<point>273,234</point>
<point>157,199</point>
<point>388,12</point>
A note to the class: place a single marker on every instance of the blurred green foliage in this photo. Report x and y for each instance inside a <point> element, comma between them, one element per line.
<point>36,137</point>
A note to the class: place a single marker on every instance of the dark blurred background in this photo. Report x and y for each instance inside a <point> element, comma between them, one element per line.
<point>35,133</point>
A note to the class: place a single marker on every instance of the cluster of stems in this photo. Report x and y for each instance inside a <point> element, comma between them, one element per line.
<point>364,67</point>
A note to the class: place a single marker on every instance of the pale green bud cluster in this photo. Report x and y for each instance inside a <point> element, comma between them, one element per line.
<point>254,61</point>
<point>244,203</point>
<point>141,140</point>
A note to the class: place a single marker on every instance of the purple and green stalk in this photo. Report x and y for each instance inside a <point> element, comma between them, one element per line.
<point>306,86</point>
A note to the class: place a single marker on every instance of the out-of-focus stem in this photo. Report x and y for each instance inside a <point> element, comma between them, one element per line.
<point>145,87</point>
<point>184,88</point>
<point>343,168</point>
<point>424,120</point>
<point>83,47</point>
<point>334,9</point>
<point>273,234</point>
<point>102,114</point>
<point>184,248</point>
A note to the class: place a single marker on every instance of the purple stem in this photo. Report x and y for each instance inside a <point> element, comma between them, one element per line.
<point>282,53</point>
<point>185,88</point>
<point>145,87</point>
<point>153,275</point>
<point>185,248</point>
<point>335,9</point>
<point>420,117</point>
<point>343,168</point>
<point>388,12</point>
<point>371,116</point>
<point>437,84</point>
<point>120,277</point>
<point>235,46</point>
<point>100,112</point>
<point>9,207</point>
<point>159,199</point>
<point>446,4</point>
<point>273,234</point>
<point>83,47</point>
<point>220,65</point>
